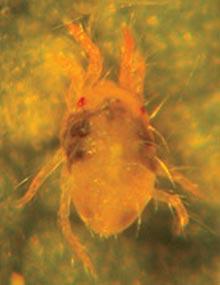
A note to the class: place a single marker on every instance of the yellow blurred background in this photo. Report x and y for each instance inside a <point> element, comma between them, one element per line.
<point>180,42</point>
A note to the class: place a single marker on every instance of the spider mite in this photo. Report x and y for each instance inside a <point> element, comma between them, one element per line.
<point>107,149</point>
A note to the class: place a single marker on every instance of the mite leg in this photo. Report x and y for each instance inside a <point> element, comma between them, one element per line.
<point>177,177</point>
<point>65,225</point>
<point>186,184</point>
<point>42,175</point>
<point>94,69</point>
<point>77,76</point>
<point>175,202</point>
<point>132,67</point>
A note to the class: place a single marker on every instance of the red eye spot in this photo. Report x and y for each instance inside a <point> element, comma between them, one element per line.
<point>81,102</point>
<point>142,110</point>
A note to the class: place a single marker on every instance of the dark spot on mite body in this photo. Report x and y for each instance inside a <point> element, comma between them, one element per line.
<point>77,128</point>
<point>116,110</point>
<point>80,128</point>
<point>75,151</point>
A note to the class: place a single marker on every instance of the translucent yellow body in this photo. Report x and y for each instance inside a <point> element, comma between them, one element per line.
<point>112,182</point>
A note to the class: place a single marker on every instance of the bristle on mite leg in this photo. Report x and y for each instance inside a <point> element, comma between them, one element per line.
<point>175,202</point>
<point>158,134</point>
<point>158,108</point>
<point>165,170</point>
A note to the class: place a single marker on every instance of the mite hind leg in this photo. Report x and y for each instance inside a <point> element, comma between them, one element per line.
<point>177,177</point>
<point>175,202</point>
<point>132,66</point>
<point>64,222</point>
<point>95,66</point>
<point>42,175</point>
<point>186,183</point>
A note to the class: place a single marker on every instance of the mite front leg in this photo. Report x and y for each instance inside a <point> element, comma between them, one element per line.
<point>95,59</point>
<point>42,175</point>
<point>175,202</point>
<point>132,67</point>
<point>77,75</point>
<point>64,222</point>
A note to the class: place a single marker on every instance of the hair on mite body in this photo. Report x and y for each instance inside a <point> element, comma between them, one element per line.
<point>107,149</point>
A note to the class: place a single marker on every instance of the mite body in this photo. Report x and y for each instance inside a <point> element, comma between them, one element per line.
<point>111,147</point>
<point>108,151</point>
